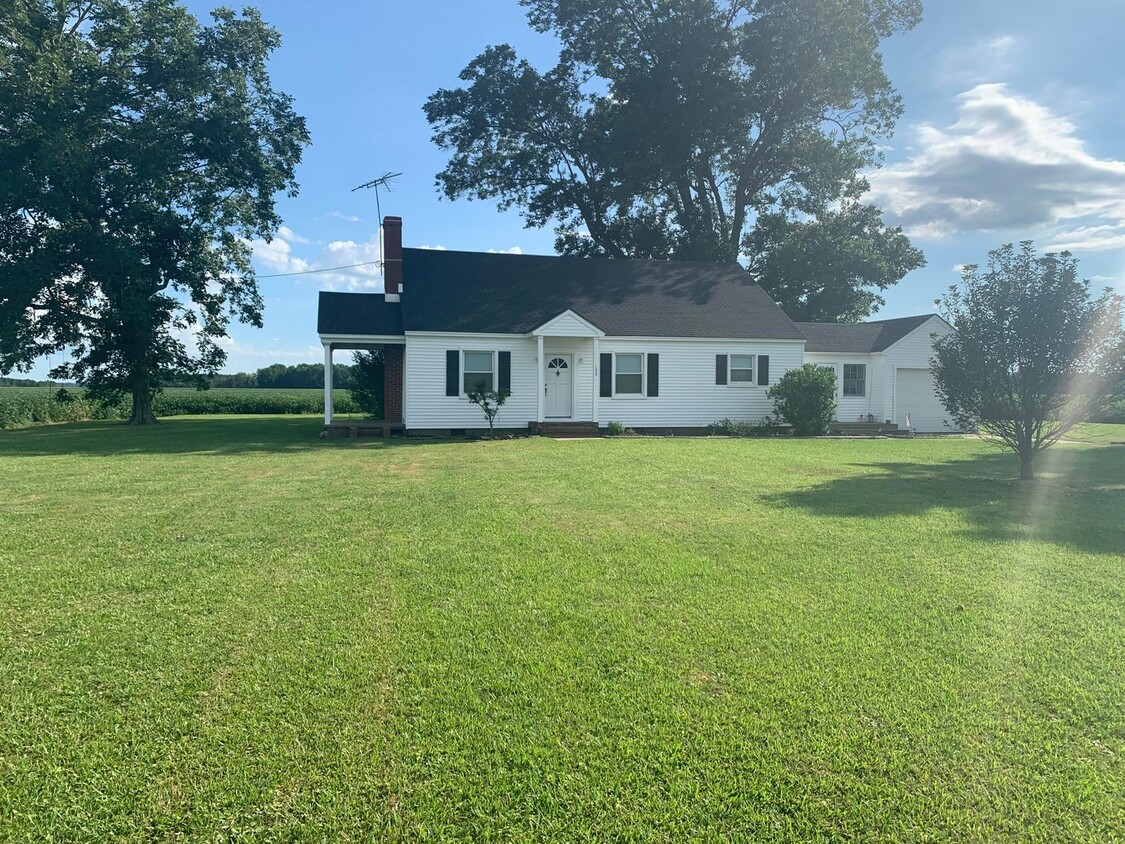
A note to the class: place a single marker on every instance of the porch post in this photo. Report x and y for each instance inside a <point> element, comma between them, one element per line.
<point>594,364</point>
<point>327,383</point>
<point>540,383</point>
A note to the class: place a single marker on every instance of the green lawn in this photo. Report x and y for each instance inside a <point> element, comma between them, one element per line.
<point>228,629</point>
<point>1097,432</point>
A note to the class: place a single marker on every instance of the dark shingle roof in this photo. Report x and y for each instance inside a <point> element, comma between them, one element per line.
<point>861,338</point>
<point>358,313</point>
<point>513,294</point>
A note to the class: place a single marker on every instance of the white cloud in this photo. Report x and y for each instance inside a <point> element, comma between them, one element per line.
<point>291,236</point>
<point>975,61</point>
<point>339,259</point>
<point>1007,163</point>
<point>340,215</point>
<point>515,250</point>
<point>439,248</point>
<point>247,351</point>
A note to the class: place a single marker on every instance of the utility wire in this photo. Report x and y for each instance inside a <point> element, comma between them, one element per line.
<point>321,270</point>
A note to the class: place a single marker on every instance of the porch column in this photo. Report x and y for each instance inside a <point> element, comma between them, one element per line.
<point>327,383</point>
<point>596,392</point>
<point>540,383</point>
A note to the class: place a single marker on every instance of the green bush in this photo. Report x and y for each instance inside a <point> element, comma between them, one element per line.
<point>1115,413</point>
<point>20,406</point>
<point>765,427</point>
<point>805,398</point>
<point>367,382</point>
<point>617,429</point>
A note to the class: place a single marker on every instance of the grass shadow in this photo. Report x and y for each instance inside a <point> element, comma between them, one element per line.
<point>1078,501</point>
<point>211,435</point>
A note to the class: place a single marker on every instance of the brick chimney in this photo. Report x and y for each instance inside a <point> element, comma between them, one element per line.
<point>392,258</point>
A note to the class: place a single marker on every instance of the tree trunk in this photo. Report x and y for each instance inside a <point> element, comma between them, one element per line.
<point>142,401</point>
<point>1027,472</point>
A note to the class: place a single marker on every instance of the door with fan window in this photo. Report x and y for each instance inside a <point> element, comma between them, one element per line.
<point>559,396</point>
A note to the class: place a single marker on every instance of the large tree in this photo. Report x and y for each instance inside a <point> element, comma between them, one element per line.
<point>670,128</point>
<point>140,152</point>
<point>1032,352</point>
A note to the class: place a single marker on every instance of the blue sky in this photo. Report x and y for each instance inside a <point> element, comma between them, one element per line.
<point>1013,129</point>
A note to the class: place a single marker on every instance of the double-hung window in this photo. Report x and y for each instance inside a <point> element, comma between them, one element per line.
<point>628,375</point>
<point>742,370</point>
<point>478,368</point>
<point>855,379</point>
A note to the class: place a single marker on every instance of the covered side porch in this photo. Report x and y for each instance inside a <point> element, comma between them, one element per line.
<point>390,420</point>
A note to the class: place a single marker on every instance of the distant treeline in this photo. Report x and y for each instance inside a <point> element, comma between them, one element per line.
<point>280,376</point>
<point>276,376</point>
<point>31,382</point>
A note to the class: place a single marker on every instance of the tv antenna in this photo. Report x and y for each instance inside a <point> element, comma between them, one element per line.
<point>385,181</point>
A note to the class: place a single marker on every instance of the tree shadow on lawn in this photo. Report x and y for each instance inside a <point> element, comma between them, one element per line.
<point>1078,500</point>
<point>212,435</point>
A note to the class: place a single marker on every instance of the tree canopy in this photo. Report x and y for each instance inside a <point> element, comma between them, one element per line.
<point>141,151</point>
<point>1032,352</point>
<point>693,129</point>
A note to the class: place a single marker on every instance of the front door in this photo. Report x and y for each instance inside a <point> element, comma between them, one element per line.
<point>557,404</point>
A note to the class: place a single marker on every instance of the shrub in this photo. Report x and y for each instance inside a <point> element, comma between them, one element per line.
<point>730,428</point>
<point>764,427</point>
<point>617,429</point>
<point>489,401</point>
<point>367,382</point>
<point>1115,413</point>
<point>805,398</point>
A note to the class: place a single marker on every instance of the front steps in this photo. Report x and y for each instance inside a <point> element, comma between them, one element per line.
<point>864,429</point>
<point>564,429</point>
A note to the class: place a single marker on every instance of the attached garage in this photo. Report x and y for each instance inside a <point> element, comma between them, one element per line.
<point>914,394</point>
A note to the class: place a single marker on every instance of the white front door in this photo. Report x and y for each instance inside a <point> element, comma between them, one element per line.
<point>558,397</point>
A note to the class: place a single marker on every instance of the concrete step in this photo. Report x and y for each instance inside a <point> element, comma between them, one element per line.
<point>863,428</point>
<point>565,429</point>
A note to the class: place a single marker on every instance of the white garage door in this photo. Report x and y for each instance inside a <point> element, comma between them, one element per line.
<point>914,394</point>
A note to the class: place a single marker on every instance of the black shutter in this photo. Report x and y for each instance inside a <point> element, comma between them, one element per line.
<point>720,369</point>
<point>505,381</point>
<point>763,370</point>
<point>452,372</point>
<point>605,375</point>
<point>653,374</point>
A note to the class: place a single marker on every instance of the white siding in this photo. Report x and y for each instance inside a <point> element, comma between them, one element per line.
<point>689,396</point>
<point>851,408</point>
<point>565,325</point>
<point>427,405</point>
<point>911,352</point>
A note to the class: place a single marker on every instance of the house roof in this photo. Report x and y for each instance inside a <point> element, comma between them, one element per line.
<point>358,313</point>
<point>514,294</point>
<point>860,338</point>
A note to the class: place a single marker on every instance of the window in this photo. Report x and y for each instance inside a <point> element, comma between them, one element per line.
<point>477,368</point>
<point>855,379</point>
<point>628,375</point>
<point>742,369</point>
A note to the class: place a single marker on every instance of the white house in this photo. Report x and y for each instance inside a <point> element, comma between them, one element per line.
<point>582,342</point>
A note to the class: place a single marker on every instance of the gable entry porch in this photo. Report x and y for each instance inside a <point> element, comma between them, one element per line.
<point>567,355</point>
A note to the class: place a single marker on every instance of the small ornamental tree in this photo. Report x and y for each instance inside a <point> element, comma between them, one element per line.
<point>488,400</point>
<point>367,382</point>
<point>806,399</point>
<point>1031,354</point>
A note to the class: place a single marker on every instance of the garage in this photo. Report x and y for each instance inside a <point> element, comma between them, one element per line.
<point>914,394</point>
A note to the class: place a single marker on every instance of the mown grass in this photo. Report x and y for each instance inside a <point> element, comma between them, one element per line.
<point>227,629</point>
<point>1097,432</point>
